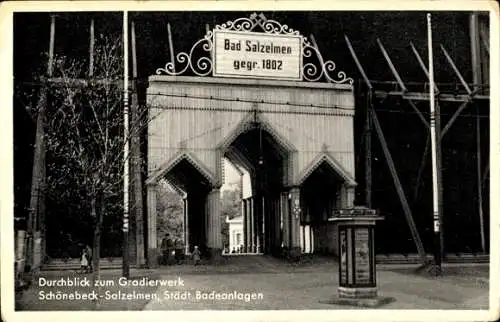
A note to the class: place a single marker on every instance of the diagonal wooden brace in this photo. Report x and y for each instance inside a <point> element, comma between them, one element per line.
<point>453,118</point>
<point>422,65</point>
<point>391,66</point>
<point>399,188</point>
<point>420,115</point>
<point>457,72</point>
<point>358,64</point>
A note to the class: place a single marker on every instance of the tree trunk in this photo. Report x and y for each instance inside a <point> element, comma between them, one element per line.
<point>97,214</point>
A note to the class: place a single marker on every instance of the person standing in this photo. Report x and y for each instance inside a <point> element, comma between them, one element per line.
<point>196,256</point>
<point>170,251</point>
<point>84,262</point>
<point>179,250</point>
<point>164,250</point>
<point>89,256</point>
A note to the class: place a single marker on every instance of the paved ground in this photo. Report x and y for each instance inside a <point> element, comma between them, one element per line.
<point>278,285</point>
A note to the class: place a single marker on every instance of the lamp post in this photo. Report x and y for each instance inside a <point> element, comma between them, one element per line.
<point>435,128</point>
<point>126,268</point>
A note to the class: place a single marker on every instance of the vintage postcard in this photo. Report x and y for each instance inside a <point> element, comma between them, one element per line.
<point>236,160</point>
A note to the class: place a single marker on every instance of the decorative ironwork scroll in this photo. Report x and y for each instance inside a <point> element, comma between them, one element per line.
<point>199,60</point>
<point>202,66</point>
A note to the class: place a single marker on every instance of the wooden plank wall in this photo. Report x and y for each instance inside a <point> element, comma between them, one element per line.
<point>183,111</point>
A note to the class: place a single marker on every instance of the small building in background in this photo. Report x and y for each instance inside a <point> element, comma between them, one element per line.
<point>235,234</point>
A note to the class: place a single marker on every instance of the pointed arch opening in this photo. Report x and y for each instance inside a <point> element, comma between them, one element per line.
<point>325,186</point>
<point>182,195</point>
<point>265,160</point>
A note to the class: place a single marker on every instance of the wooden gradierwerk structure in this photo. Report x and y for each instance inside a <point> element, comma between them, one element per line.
<point>266,112</point>
<point>263,96</point>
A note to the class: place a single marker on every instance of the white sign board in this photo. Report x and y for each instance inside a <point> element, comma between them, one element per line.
<point>257,55</point>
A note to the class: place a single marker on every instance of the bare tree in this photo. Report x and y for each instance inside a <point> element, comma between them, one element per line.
<point>84,134</point>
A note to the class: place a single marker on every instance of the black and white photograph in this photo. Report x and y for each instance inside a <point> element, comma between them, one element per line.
<point>256,161</point>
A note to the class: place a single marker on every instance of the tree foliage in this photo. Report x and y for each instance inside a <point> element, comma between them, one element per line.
<point>170,210</point>
<point>230,208</point>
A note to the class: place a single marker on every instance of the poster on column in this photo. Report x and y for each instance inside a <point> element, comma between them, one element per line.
<point>362,256</point>
<point>343,257</point>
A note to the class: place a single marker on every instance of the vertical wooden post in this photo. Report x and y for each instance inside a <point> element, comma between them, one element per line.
<point>479,182</point>
<point>134,50</point>
<point>439,175</point>
<point>213,224</point>
<point>475,51</point>
<point>485,174</point>
<point>50,65</point>
<point>91,50</point>
<point>368,153</point>
<point>152,232</point>
<point>136,158</point>
<point>186,225</point>
<point>477,79</point>
<point>41,204</point>
<point>38,171</point>
<point>484,53</point>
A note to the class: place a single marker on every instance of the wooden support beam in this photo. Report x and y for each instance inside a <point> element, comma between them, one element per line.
<point>453,119</point>
<point>399,188</point>
<point>171,47</point>
<point>392,67</point>
<point>313,41</point>
<point>421,168</point>
<point>50,63</point>
<point>477,79</point>
<point>134,50</point>
<point>422,65</point>
<point>368,153</point>
<point>420,115</point>
<point>137,159</point>
<point>315,45</point>
<point>239,159</point>
<point>479,185</point>
<point>77,82</point>
<point>475,50</point>
<point>91,50</point>
<point>457,72</point>
<point>368,126</point>
<point>485,174</point>
<point>38,172</point>
<point>484,40</point>
<point>358,64</point>
<point>417,96</point>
